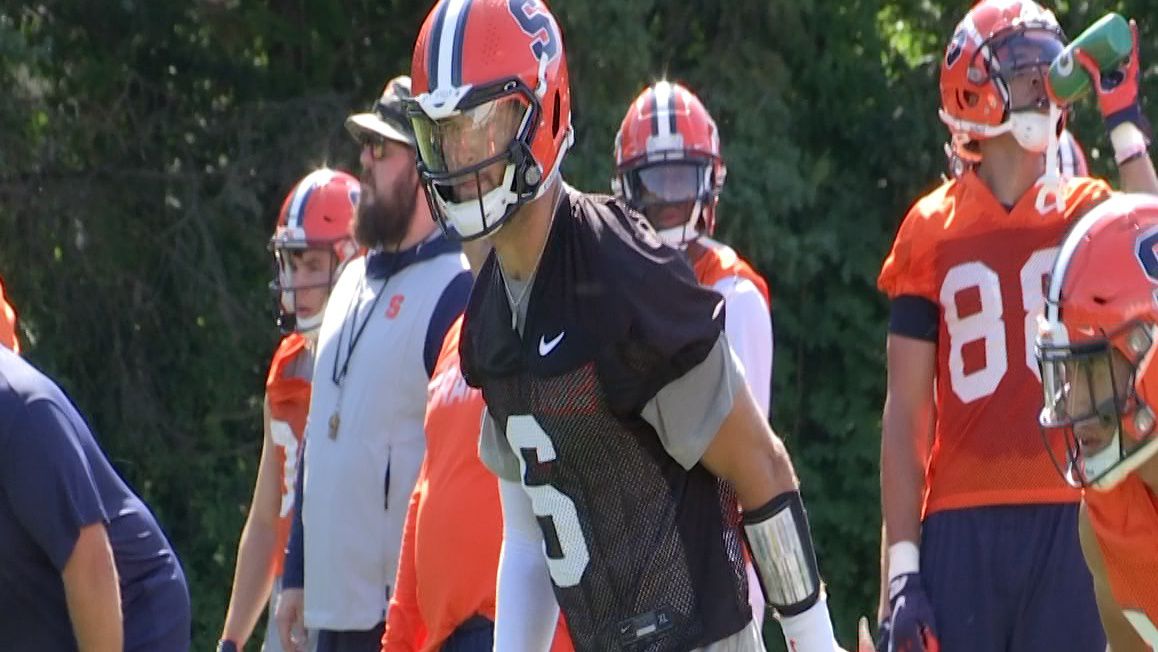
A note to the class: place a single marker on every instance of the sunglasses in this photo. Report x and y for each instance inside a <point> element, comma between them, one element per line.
<point>377,145</point>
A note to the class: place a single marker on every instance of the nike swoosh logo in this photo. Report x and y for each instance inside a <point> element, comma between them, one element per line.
<point>719,307</point>
<point>546,347</point>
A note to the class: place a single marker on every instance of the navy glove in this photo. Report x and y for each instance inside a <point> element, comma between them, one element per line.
<point>910,627</point>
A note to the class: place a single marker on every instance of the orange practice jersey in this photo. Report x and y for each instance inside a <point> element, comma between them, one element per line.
<point>289,402</point>
<point>7,324</point>
<point>721,261</point>
<point>454,526</point>
<point>984,267</point>
<point>1125,521</point>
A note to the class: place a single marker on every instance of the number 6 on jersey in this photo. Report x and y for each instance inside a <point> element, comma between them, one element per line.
<point>567,554</point>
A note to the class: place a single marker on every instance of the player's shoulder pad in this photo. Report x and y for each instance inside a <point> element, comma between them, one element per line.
<point>287,350</point>
<point>936,202</point>
<point>931,211</point>
<point>1084,193</point>
<point>619,240</point>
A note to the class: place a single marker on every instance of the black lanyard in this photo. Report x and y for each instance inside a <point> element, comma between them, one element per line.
<point>338,374</point>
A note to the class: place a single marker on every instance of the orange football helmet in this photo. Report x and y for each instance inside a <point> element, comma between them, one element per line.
<point>1101,314</point>
<point>491,110</point>
<point>667,154</point>
<point>996,42</point>
<point>316,214</point>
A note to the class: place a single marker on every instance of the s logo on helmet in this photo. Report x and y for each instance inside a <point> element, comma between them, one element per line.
<point>538,26</point>
<point>1147,251</point>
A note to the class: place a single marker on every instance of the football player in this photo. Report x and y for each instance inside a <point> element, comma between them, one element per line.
<point>311,243</point>
<point>668,168</point>
<point>1096,354</point>
<point>8,324</point>
<point>980,538</point>
<point>617,418</point>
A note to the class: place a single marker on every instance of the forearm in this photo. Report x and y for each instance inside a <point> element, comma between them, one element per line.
<point>252,580</point>
<point>1131,151</point>
<point>93,594</point>
<point>755,462</point>
<point>1138,176</point>
<point>751,457</point>
<point>902,480</point>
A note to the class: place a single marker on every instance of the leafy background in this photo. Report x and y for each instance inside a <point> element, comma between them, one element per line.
<point>145,146</point>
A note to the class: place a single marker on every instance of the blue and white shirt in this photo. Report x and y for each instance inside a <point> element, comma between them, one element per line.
<point>358,478</point>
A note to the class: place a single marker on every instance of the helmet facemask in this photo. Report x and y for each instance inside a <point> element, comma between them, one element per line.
<point>1090,399</point>
<point>476,160</point>
<point>675,190</point>
<point>286,285</point>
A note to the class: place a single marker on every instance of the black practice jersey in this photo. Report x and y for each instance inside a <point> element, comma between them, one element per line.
<point>644,554</point>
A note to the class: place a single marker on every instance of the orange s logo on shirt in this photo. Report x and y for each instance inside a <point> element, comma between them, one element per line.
<point>395,306</point>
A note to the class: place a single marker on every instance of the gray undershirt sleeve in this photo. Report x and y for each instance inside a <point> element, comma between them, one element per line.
<point>688,411</point>
<point>495,451</point>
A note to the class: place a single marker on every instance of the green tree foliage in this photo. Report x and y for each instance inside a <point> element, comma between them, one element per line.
<point>145,146</point>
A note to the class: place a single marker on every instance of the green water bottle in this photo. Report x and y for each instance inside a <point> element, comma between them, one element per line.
<point>1109,41</point>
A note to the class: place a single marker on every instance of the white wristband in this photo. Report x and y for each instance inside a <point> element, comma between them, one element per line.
<point>1128,141</point>
<point>904,558</point>
<point>810,630</point>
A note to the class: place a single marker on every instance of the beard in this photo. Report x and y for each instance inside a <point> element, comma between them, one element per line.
<point>384,215</point>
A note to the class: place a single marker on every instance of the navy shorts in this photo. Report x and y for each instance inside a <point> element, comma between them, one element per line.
<point>477,634</point>
<point>1010,579</point>
<point>351,641</point>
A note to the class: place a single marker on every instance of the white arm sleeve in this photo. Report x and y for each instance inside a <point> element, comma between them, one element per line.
<point>748,323</point>
<point>526,612</point>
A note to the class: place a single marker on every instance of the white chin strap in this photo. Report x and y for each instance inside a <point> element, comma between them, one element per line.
<point>470,218</point>
<point>678,237</point>
<point>1051,181</point>
<point>1096,465</point>
<point>1101,465</point>
<point>307,324</point>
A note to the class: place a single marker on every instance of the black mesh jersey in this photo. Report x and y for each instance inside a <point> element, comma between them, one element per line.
<point>644,554</point>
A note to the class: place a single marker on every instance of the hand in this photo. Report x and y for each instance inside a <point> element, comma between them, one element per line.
<point>911,626</point>
<point>1118,90</point>
<point>864,639</point>
<point>291,622</point>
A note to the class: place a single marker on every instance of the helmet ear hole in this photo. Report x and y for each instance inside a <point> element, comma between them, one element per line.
<point>968,99</point>
<point>555,108</point>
